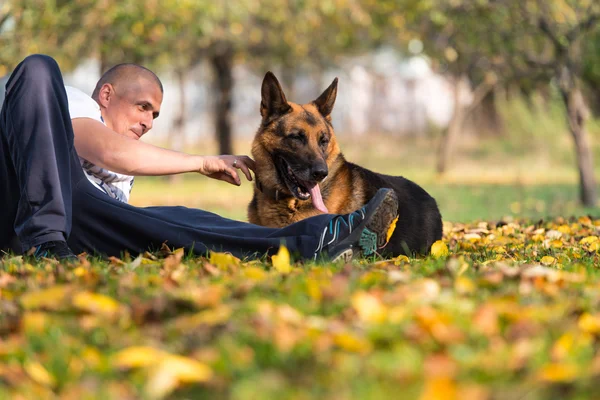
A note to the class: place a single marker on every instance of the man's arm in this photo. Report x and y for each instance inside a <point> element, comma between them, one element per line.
<point>107,149</point>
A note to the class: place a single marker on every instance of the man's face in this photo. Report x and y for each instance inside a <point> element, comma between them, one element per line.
<point>130,109</point>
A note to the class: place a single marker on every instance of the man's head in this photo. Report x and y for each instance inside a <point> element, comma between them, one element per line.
<point>129,97</point>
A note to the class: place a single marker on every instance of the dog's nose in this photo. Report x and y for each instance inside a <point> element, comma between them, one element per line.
<point>319,173</point>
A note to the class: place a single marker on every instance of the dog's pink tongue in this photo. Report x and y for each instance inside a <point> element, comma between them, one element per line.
<point>317,200</point>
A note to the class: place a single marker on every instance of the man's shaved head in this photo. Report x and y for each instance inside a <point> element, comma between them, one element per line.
<point>129,97</point>
<point>127,76</point>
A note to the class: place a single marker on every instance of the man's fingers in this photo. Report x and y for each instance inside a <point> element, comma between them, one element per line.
<point>249,162</point>
<point>245,170</point>
<point>234,176</point>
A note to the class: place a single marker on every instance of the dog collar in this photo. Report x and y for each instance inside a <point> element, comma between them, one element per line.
<point>272,193</point>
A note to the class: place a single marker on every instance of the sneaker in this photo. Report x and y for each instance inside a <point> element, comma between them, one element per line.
<point>363,232</point>
<point>54,249</point>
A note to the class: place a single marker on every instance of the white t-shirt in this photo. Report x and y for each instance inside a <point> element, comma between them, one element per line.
<point>117,186</point>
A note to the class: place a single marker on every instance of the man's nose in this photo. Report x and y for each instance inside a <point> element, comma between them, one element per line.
<point>147,124</point>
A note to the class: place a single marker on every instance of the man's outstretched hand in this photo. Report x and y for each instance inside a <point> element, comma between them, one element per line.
<point>225,168</point>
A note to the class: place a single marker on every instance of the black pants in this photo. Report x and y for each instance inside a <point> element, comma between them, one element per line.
<point>44,194</point>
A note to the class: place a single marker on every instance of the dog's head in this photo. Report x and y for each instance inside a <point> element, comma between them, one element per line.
<point>295,145</point>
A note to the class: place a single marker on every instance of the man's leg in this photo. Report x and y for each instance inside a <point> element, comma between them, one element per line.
<point>107,226</point>
<point>36,142</point>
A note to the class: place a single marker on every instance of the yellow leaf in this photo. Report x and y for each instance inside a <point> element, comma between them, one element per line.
<point>588,240</point>
<point>255,273</point>
<point>173,370</point>
<point>91,357</point>
<point>594,246</point>
<point>52,298</point>
<point>400,259</point>
<point>559,372</point>
<point>391,230</point>
<point>499,249</point>
<point>557,243</point>
<point>137,356</point>
<point>538,238</point>
<point>38,373</point>
<point>281,260</point>
<point>563,346</point>
<point>464,285</point>
<point>439,249</point>
<point>350,342</point>
<point>369,307</point>
<point>223,260</point>
<point>585,220</point>
<point>209,317</point>
<point>313,288</point>
<point>589,323</point>
<point>439,388</point>
<point>96,303</point>
<point>34,321</point>
<point>548,260</point>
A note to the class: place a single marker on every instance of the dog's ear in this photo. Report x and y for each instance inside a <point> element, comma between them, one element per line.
<point>326,100</point>
<point>273,100</point>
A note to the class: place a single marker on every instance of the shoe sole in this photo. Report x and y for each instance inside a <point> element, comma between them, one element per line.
<point>375,230</point>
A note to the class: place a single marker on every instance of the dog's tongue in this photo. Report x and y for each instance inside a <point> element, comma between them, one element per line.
<point>317,200</point>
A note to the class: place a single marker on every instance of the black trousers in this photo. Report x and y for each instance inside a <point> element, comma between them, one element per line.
<point>44,194</point>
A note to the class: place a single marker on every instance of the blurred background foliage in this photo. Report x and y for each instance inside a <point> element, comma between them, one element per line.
<point>523,79</point>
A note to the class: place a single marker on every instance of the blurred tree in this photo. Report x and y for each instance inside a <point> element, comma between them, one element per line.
<point>528,41</point>
<point>453,32</point>
<point>548,39</point>
<point>591,70</point>
<point>44,26</point>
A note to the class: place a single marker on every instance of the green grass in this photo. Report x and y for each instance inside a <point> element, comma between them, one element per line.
<point>487,322</point>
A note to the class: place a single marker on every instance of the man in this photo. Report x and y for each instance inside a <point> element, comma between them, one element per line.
<point>67,166</point>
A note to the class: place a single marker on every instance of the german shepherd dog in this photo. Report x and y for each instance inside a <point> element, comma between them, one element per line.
<point>301,172</point>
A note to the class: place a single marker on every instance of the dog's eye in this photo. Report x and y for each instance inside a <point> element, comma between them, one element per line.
<point>324,141</point>
<point>297,137</point>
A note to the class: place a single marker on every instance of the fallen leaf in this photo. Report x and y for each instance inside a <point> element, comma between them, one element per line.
<point>548,260</point>
<point>439,249</point>
<point>53,298</point>
<point>369,308</point>
<point>281,260</point>
<point>172,371</point>
<point>137,356</point>
<point>589,323</point>
<point>39,374</point>
<point>223,260</point>
<point>559,372</point>
<point>96,303</point>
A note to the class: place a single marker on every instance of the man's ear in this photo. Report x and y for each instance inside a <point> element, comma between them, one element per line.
<point>326,100</point>
<point>105,94</point>
<point>273,102</point>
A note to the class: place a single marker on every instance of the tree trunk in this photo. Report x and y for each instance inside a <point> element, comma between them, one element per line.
<point>577,114</point>
<point>450,133</point>
<point>487,118</point>
<point>222,63</point>
<point>177,134</point>
<point>459,115</point>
